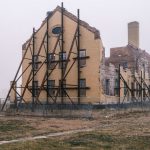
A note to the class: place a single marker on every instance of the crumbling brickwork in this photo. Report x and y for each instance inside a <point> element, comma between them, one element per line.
<point>133,80</point>
<point>130,57</point>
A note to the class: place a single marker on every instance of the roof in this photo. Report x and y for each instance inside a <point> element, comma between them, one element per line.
<point>74,18</point>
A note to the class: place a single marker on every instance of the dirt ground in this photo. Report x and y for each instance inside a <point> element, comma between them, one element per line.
<point>135,122</point>
<point>125,123</point>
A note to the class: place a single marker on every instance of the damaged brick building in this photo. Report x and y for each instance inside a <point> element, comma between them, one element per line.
<point>127,70</point>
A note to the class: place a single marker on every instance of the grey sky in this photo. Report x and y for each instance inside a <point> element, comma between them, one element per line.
<point>18,17</point>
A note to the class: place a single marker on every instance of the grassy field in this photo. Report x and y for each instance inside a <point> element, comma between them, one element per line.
<point>84,141</point>
<point>11,129</point>
<point>113,130</point>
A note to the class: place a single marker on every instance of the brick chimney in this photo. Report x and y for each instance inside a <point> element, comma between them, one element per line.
<point>133,33</point>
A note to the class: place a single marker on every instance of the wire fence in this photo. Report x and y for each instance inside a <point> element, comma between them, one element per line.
<point>53,110</point>
<point>72,110</point>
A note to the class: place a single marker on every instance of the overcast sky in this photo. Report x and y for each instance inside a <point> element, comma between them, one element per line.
<point>18,17</point>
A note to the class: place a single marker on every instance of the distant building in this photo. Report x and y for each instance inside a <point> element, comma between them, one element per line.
<point>134,63</point>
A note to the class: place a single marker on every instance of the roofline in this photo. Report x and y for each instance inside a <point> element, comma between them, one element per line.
<point>74,18</point>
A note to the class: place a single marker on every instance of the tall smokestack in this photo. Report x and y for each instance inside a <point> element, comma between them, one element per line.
<point>133,33</point>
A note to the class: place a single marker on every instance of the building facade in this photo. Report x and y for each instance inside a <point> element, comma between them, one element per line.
<point>64,62</point>
<point>61,61</point>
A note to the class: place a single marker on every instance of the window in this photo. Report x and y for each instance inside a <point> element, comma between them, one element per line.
<point>144,93</point>
<point>62,56</point>
<point>116,87</point>
<point>137,89</point>
<point>107,85</point>
<point>35,59</point>
<point>125,89</point>
<point>62,93</point>
<point>51,85</point>
<point>149,90</point>
<point>56,30</point>
<point>51,56</point>
<point>143,65</point>
<point>124,65</point>
<point>35,87</point>
<point>62,59</point>
<point>82,55</point>
<point>82,87</point>
<point>132,88</point>
<point>51,60</point>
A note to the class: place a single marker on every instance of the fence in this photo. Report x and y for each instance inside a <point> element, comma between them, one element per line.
<point>73,110</point>
<point>52,110</point>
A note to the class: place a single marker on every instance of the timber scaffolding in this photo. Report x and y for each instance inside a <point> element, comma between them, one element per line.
<point>133,94</point>
<point>61,90</point>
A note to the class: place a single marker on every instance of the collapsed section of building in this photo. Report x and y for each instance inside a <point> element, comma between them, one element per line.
<point>128,71</point>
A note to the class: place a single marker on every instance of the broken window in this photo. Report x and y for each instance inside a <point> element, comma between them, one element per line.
<point>107,83</point>
<point>116,87</point>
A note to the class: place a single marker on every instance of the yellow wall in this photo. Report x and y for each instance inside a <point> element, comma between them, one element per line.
<point>93,48</point>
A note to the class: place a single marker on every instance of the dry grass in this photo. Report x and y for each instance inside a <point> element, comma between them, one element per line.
<point>16,127</point>
<point>113,130</point>
<point>84,141</point>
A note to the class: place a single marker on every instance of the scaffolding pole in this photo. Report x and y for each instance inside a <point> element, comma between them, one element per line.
<point>78,55</point>
<point>47,60</point>
<point>33,69</point>
<point>62,51</point>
